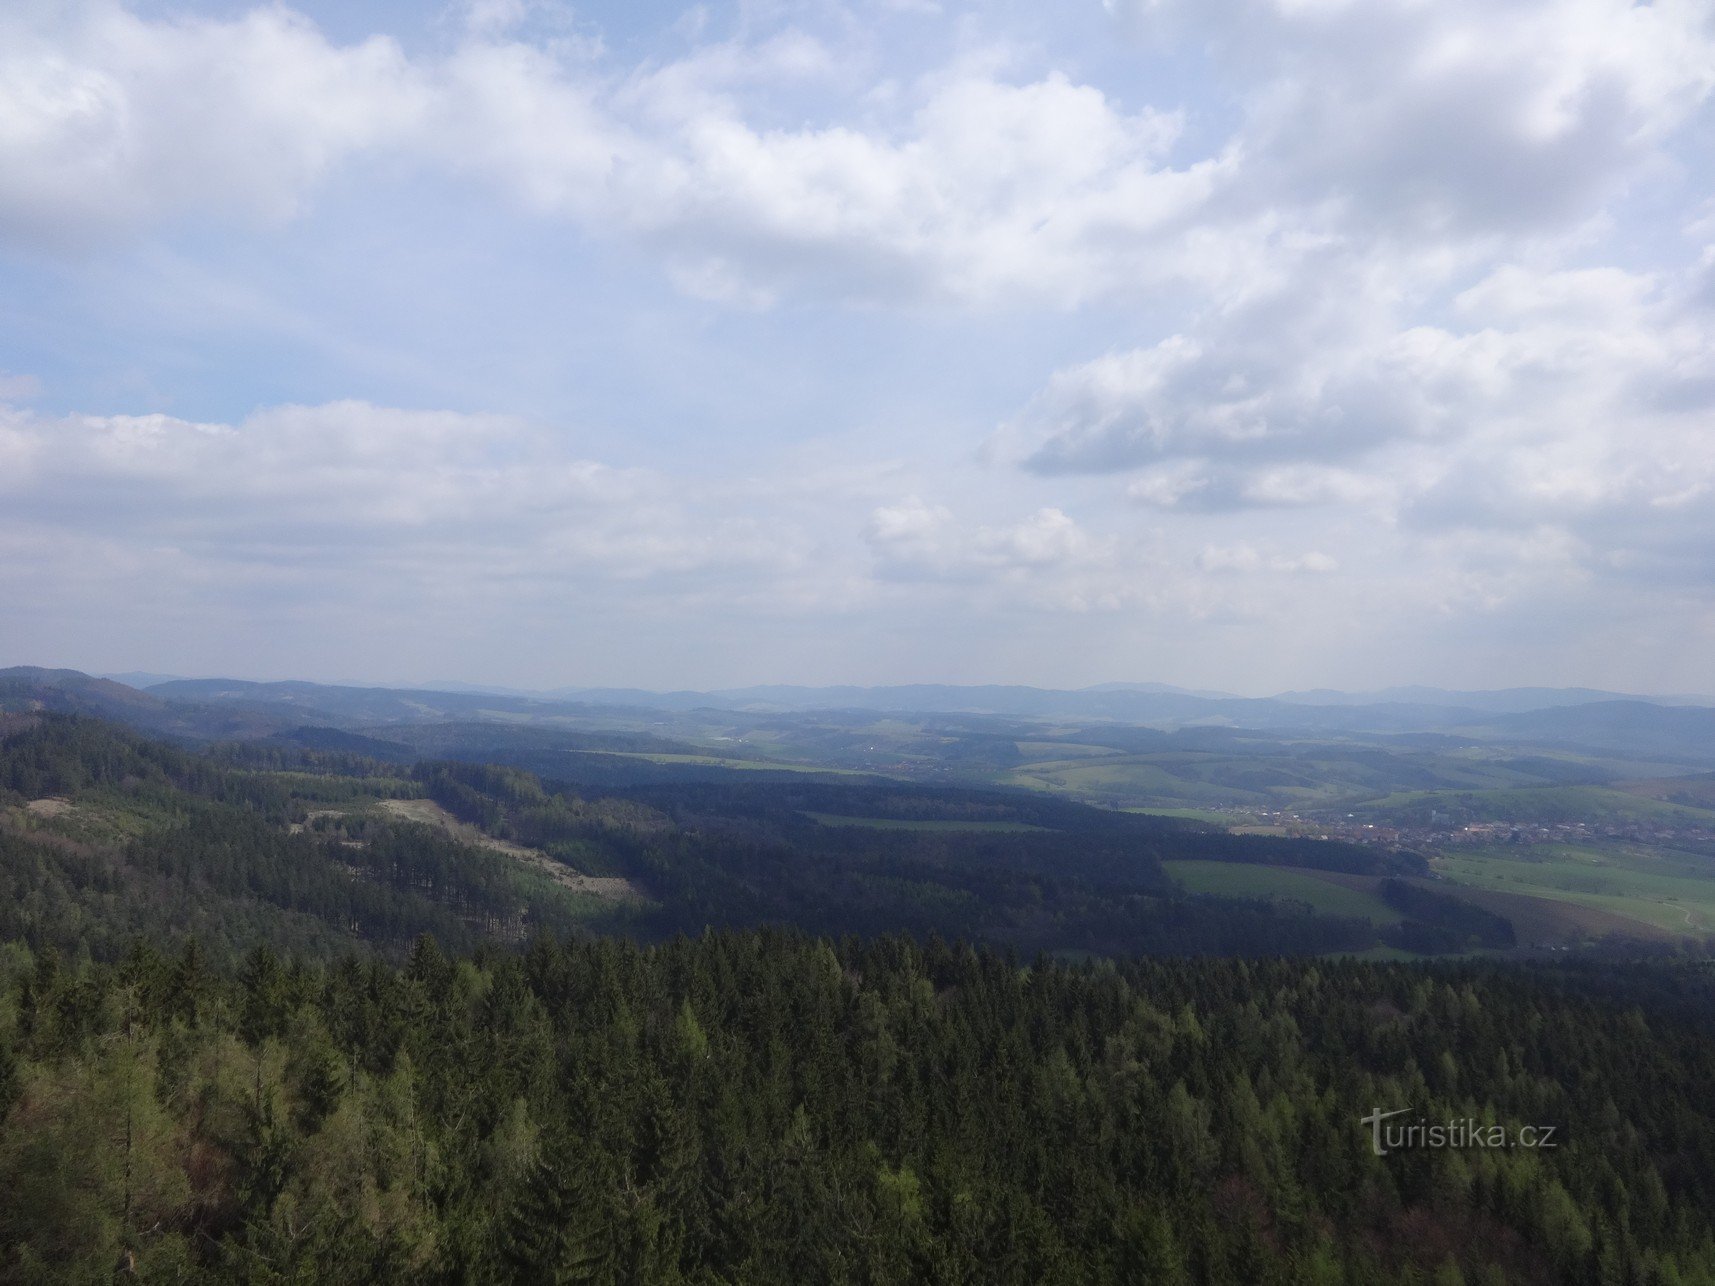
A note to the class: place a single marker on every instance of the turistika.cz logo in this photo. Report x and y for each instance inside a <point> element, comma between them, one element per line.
<point>1387,1135</point>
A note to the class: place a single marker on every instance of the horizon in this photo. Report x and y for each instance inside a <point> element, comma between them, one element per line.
<point>1323,346</point>
<point>144,680</point>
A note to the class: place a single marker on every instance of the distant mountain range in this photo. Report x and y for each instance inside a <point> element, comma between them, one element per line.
<point>1678,729</point>
<point>986,698</point>
<point>1495,701</point>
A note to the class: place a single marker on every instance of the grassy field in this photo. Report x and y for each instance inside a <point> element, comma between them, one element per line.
<point>1666,890</point>
<point>1546,804</point>
<point>919,824</point>
<point>1325,896</point>
<point>1311,775</point>
<point>1051,751</point>
<point>1129,779</point>
<point>1696,791</point>
<point>1190,814</point>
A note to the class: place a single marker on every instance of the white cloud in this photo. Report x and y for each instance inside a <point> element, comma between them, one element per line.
<point>990,189</point>
<point>1460,116</point>
<point>987,188</point>
<point>975,183</point>
<point>1314,395</point>
<point>18,388</point>
<point>429,495</point>
<point>1364,293</point>
<point>1044,561</point>
<point>1245,558</point>
<point>913,539</point>
<point>108,121</point>
<point>1570,410</point>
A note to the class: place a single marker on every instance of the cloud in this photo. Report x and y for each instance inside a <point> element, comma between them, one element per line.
<point>109,122</point>
<point>1047,561</point>
<point>982,187</point>
<point>1458,117</point>
<point>294,507</point>
<point>1313,395</point>
<point>914,540</point>
<point>973,183</point>
<point>1361,294</point>
<point>19,388</point>
<point>353,490</point>
<point>1246,558</point>
<point>1207,487</point>
<point>989,189</point>
<point>1569,408</point>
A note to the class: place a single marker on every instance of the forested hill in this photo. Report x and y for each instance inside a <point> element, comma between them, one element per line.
<point>106,835</point>
<point>271,1014</point>
<point>767,1108</point>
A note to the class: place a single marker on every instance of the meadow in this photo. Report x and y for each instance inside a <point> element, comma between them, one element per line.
<point>1661,888</point>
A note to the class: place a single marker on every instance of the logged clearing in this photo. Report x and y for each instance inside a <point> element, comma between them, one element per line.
<point>49,807</point>
<point>298,828</point>
<point>429,813</point>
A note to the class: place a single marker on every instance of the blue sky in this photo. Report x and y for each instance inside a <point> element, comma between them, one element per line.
<point>1250,344</point>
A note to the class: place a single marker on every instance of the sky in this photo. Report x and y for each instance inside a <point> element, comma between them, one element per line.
<point>1244,344</point>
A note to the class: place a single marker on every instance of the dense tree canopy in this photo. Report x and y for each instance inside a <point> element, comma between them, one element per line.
<point>767,1107</point>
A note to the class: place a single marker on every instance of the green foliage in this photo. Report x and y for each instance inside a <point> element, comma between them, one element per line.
<point>289,849</point>
<point>1439,922</point>
<point>765,1107</point>
<point>201,847</point>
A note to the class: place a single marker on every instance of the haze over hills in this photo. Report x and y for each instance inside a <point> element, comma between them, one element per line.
<point>1125,701</point>
<point>1121,701</point>
<point>1493,701</point>
<point>1672,730</point>
<point>780,857</point>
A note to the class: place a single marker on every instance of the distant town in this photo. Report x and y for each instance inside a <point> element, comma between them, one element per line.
<point>1452,834</point>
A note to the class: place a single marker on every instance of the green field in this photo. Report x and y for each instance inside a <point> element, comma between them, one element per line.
<point>1379,953</point>
<point>1191,814</point>
<point>1240,880</point>
<point>920,824</point>
<point>1130,779</point>
<point>1540,804</point>
<point>1669,890</point>
<point>1050,751</point>
<point>1695,791</point>
<point>1307,775</point>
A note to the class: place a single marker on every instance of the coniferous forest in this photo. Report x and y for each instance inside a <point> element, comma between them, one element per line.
<point>258,1025</point>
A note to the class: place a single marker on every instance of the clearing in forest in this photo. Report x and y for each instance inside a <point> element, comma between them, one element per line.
<point>429,813</point>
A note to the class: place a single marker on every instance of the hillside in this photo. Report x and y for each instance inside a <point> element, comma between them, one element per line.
<point>106,836</point>
<point>109,835</point>
<point>270,1012</point>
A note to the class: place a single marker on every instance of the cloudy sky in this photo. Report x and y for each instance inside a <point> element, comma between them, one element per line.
<point>1238,343</point>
